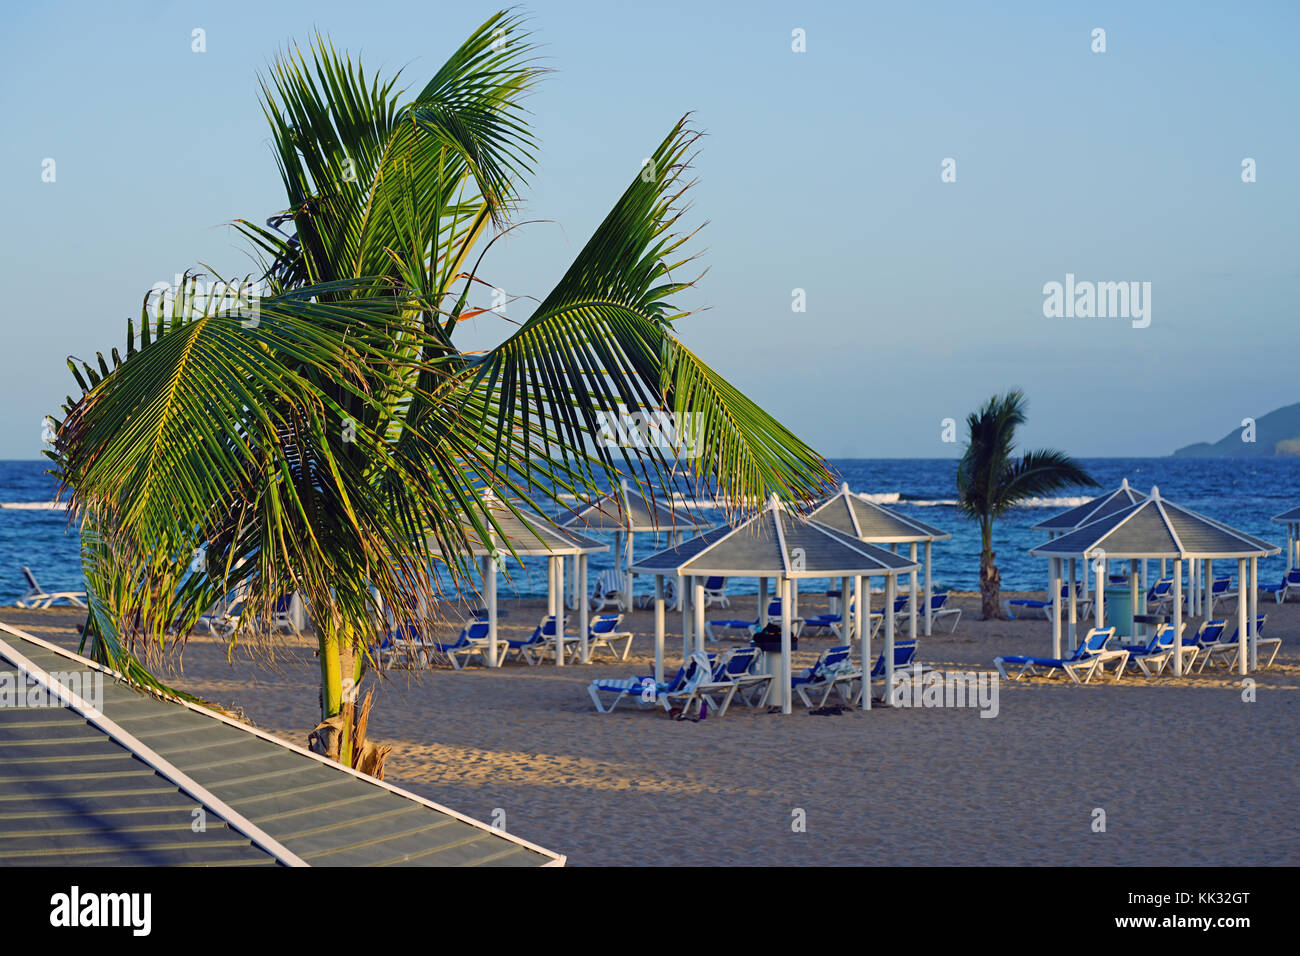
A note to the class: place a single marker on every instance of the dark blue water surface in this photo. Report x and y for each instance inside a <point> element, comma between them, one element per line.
<point>1244,493</point>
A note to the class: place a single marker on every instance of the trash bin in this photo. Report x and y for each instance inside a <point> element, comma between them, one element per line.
<point>1119,609</point>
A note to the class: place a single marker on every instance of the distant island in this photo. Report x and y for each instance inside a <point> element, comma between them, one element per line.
<point>1277,435</point>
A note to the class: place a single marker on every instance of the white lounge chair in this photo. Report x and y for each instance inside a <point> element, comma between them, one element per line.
<point>608,590</point>
<point>715,592</point>
<point>1085,660</point>
<point>939,610</point>
<point>38,598</point>
<point>603,632</point>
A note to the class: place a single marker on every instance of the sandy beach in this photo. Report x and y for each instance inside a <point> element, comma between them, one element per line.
<point>1185,770</point>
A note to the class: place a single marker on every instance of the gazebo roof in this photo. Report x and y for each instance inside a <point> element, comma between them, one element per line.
<point>1156,528</point>
<point>114,778</point>
<point>627,510</point>
<point>867,521</point>
<point>1288,517</point>
<point>528,533</point>
<point>775,543</point>
<point>1100,507</point>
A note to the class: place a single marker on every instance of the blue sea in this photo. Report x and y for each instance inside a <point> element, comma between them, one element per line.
<point>1244,493</point>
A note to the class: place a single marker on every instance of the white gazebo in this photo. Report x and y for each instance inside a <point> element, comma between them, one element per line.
<point>1154,528</point>
<point>627,514</point>
<point>867,521</point>
<point>1292,521</point>
<point>1072,519</point>
<point>777,544</point>
<point>528,534</point>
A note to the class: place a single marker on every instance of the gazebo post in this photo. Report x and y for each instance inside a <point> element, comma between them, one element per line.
<point>1178,616</point>
<point>862,605</point>
<point>863,646</point>
<point>911,600</point>
<point>1133,599</point>
<point>583,611</point>
<point>1099,609</point>
<point>627,573</point>
<point>558,600</point>
<point>786,681</point>
<point>659,628</point>
<point>1074,605</point>
<point>762,602</point>
<point>1054,566</point>
<point>1145,562</point>
<point>891,593</point>
<point>929,587</point>
<point>490,586</point>
<point>1242,611</point>
<point>1252,622</point>
<point>550,585</point>
<point>684,598</point>
<point>697,602</point>
<point>794,597</point>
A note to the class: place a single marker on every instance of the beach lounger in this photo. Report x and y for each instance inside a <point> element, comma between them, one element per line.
<point>1229,648</point>
<point>644,689</point>
<point>603,632</point>
<point>727,676</point>
<point>1206,636</point>
<point>904,660</point>
<point>1085,659</point>
<point>223,623</point>
<point>534,648</point>
<point>1152,657</point>
<point>608,590</point>
<point>1044,608</point>
<point>833,671</point>
<point>939,610</point>
<point>773,614</point>
<point>1220,590</point>
<point>1290,583</point>
<point>38,598</point>
<point>715,592</point>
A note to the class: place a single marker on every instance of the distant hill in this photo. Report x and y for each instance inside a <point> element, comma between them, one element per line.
<point>1277,435</point>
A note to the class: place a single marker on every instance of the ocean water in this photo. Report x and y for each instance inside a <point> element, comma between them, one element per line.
<point>1244,493</point>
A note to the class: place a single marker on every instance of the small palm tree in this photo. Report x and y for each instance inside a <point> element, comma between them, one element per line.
<point>990,479</point>
<point>332,437</point>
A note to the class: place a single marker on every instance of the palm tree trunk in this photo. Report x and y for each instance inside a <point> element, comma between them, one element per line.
<point>990,579</point>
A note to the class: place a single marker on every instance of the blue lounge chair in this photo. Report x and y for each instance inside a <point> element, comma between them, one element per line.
<point>1044,608</point>
<point>1230,647</point>
<point>1160,597</point>
<point>644,689</point>
<point>729,675</point>
<point>1290,582</point>
<point>773,614</point>
<point>603,632</point>
<point>1206,636</point>
<point>833,670</point>
<point>715,592</point>
<point>939,610</point>
<point>1086,658</point>
<point>1220,590</point>
<point>409,644</point>
<point>534,648</point>
<point>1152,657</point>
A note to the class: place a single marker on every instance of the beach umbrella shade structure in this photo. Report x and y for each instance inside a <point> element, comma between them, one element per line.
<point>528,534</point>
<point>1292,521</point>
<point>1072,519</point>
<point>779,544</point>
<point>867,521</point>
<point>1158,529</point>
<point>626,513</point>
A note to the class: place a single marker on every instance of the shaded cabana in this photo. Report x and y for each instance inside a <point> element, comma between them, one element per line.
<point>1072,519</point>
<point>867,521</point>
<point>626,514</point>
<point>1158,529</point>
<point>1292,521</point>
<point>787,547</point>
<point>528,534</point>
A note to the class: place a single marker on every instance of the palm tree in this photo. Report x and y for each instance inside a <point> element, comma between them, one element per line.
<point>329,437</point>
<point>990,479</point>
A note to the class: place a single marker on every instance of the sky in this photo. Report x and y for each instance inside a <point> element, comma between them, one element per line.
<point>821,171</point>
